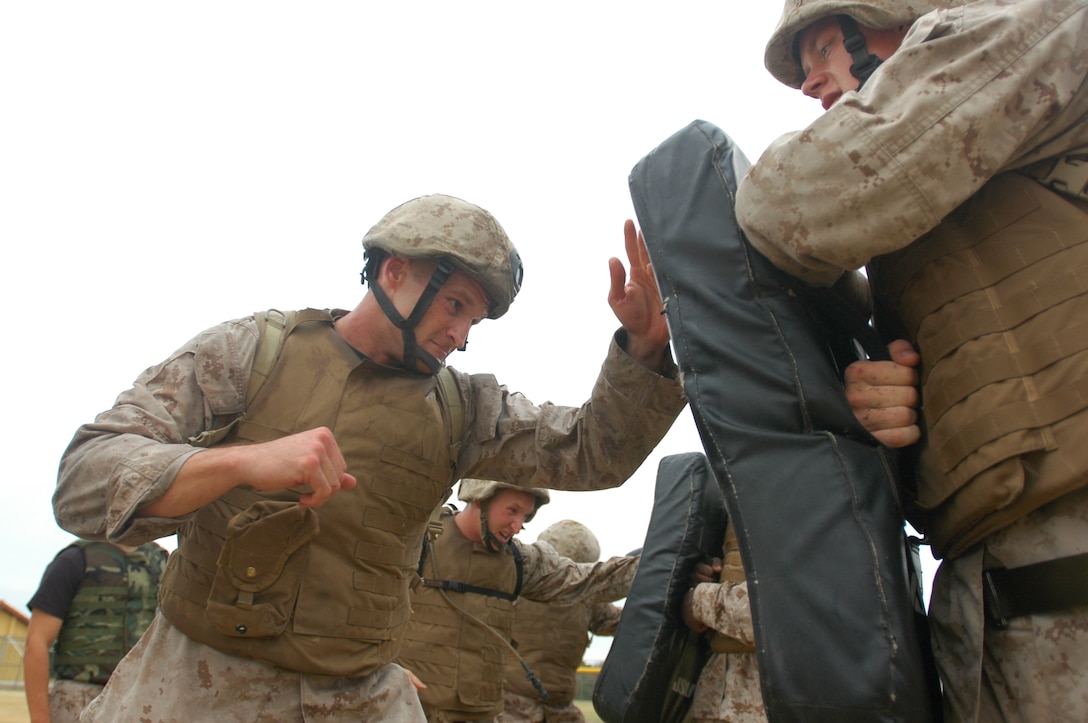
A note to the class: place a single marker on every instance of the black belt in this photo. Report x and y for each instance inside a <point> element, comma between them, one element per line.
<point>1043,587</point>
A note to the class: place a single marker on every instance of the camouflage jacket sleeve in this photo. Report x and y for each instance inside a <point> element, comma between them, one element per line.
<point>595,446</point>
<point>130,454</point>
<point>724,607</point>
<point>972,91</point>
<point>604,617</point>
<point>549,577</point>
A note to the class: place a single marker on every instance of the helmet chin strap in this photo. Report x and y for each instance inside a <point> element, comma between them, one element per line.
<point>413,352</point>
<point>865,63</point>
<point>490,541</point>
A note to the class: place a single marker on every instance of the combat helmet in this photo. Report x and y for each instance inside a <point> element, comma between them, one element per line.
<point>572,539</point>
<point>781,58</point>
<point>457,234</point>
<point>481,491</point>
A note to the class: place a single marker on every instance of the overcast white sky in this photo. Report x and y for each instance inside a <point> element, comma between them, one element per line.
<point>166,166</point>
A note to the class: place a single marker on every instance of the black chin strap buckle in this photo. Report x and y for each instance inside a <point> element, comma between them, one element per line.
<point>865,63</point>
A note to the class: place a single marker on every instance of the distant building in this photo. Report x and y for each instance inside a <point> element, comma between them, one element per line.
<point>13,625</point>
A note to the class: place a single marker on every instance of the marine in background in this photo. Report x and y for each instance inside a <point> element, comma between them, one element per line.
<point>552,638</point>
<point>472,573</point>
<point>94,602</point>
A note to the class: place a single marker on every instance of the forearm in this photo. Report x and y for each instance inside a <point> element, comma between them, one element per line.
<point>554,579</point>
<point>724,607</point>
<point>606,618</point>
<point>36,682</point>
<point>595,446</point>
<point>203,478</point>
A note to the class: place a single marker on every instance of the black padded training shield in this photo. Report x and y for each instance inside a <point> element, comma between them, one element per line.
<point>810,492</point>
<point>650,672</point>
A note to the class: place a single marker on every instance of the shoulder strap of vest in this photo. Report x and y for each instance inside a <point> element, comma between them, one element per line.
<point>434,529</point>
<point>450,394</point>
<point>270,337</point>
<point>519,565</point>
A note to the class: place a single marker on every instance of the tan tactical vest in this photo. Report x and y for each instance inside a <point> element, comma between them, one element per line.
<point>552,639</point>
<point>996,300</point>
<point>460,661</point>
<point>318,590</point>
<point>732,572</point>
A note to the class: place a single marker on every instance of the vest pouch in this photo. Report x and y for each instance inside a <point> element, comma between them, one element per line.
<point>260,569</point>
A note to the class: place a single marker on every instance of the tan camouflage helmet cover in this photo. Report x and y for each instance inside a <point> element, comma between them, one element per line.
<point>430,227</point>
<point>781,55</point>
<point>478,490</point>
<point>572,539</point>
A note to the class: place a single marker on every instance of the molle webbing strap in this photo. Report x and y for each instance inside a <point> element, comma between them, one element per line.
<point>1018,305</point>
<point>1027,415</point>
<point>1005,204</point>
<point>1029,360</point>
<point>1043,587</point>
<point>952,281</point>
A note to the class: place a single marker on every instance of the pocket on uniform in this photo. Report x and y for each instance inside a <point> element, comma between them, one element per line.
<point>260,569</point>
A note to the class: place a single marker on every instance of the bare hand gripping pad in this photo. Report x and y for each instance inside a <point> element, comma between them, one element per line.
<point>650,673</point>
<point>838,631</point>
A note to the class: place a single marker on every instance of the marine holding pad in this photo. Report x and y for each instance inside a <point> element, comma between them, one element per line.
<point>838,625</point>
<point>650,673</point>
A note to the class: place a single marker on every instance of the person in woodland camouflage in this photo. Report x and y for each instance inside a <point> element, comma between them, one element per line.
<point>275,604</point>
<point>474,572</point>
<point>953,160</point>
<point>551,638</point>
<point>94,602</point>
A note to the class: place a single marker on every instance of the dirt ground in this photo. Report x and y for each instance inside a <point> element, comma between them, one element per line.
<point>13,706</point>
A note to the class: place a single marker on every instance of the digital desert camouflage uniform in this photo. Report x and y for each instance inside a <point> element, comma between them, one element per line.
<point>551,638</point>
<point>168,655</point>
<point>983,269</point>
<point>447,647</point>
<point>544,632</point>
<point>728,687</point>
<point>130,455</point>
